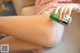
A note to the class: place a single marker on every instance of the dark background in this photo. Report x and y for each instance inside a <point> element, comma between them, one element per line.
<point>10,12</point>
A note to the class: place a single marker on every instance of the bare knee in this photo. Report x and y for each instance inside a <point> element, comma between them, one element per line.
<point>55,38</point>
<point>52,42</point>
<point>47,42</point>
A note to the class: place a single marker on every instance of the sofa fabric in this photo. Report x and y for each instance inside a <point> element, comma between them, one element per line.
<point>27,2</point>
<point>28,11</point>
<point>20,4</point>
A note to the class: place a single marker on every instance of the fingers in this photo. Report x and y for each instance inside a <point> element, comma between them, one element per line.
<point>69,11</point>
<point>63,11</point>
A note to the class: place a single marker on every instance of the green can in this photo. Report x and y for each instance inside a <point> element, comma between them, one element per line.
<point>55,17</point>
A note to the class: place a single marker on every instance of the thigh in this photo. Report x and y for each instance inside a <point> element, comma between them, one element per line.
<point>17,44</point>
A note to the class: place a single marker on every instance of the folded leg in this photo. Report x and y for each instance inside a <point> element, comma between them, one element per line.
<point>18,45</point>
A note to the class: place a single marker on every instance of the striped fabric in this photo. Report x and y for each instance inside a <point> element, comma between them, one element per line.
<point>43,5</point>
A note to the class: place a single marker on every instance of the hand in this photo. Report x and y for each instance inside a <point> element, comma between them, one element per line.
<point>65,9</point>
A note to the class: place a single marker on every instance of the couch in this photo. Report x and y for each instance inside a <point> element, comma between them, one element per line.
<point>24,7</point>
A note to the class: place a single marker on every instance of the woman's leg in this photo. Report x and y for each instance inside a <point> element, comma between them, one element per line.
<point>45,7</point>
<point>38,29</point>
<point>19,45</point>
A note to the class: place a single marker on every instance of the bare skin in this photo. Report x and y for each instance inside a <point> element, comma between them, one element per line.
<point>29,32</point>
<point>16,44</point>
<point>38,30</point>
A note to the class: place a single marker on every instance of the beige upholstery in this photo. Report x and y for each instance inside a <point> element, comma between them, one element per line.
<point>27,2</point>
<point>22,5</point>
<point>28,10</point>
